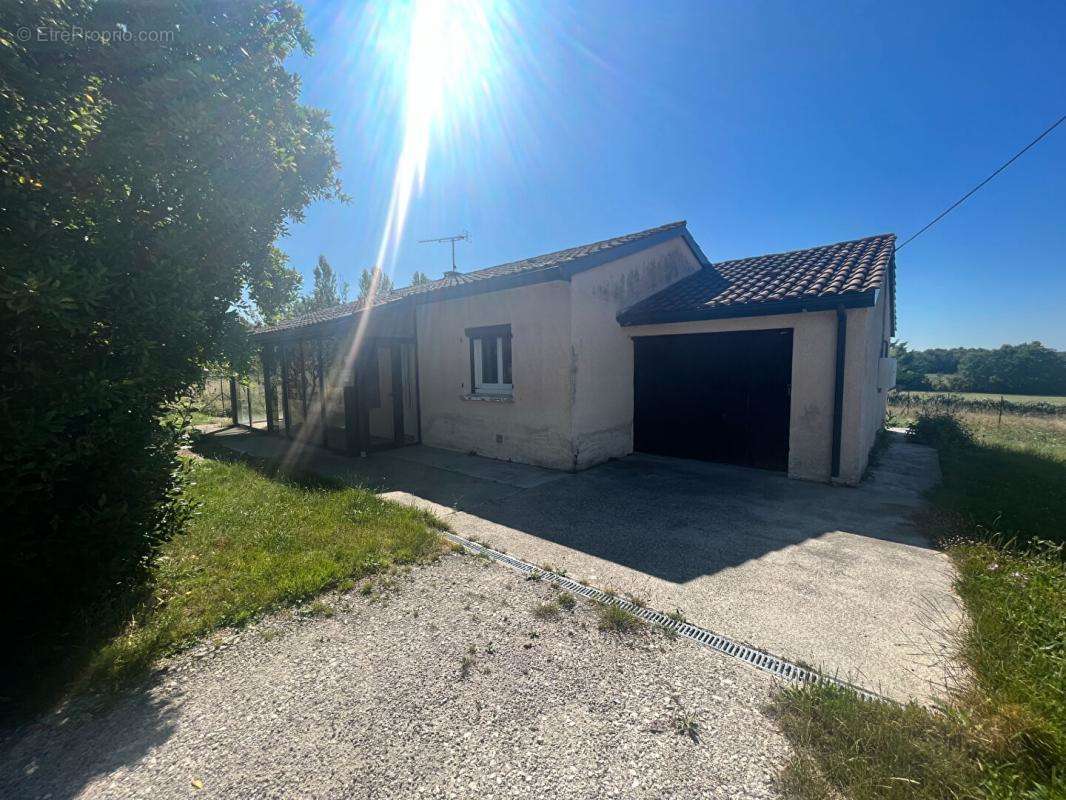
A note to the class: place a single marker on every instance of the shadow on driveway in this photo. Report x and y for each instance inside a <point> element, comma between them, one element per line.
<point>841,578</point>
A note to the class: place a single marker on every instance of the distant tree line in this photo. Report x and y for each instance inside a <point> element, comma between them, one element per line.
<point>1028,368</point>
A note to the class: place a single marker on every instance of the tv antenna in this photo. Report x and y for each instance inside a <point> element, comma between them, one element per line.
<point>461,237</point>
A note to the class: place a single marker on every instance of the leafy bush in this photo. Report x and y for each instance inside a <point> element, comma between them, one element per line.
<point>940,429</point>
<point>143,186</point>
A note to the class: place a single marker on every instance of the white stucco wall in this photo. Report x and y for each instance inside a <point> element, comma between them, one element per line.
<point>601,353</point>
<point>573,370</point>
<point>534,427</point>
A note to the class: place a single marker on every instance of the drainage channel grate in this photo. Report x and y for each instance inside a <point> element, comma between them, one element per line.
<point>722,644</point>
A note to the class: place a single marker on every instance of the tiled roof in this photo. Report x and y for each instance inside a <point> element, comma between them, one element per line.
<point>453,279</point>
<point>845,271</point>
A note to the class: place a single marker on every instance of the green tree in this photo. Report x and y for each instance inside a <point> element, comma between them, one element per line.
<point>419,278</point>
<point>1029,368</point>
<point>908,376</point>
<point>371,277</point>
<point>143,183</point>
<point>324,292</point>
<point>276,293</point>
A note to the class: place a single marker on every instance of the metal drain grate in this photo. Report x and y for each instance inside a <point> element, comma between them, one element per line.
<point>766,662</point>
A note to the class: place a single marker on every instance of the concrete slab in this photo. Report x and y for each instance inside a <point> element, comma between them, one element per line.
<point>523,476</point>
<point>840,578</point>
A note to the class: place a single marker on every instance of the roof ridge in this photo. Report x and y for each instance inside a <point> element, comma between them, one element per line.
<point>804,249</point>
<point>631,236</point>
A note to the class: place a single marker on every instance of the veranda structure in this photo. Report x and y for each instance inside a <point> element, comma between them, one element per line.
<point>347,383</point>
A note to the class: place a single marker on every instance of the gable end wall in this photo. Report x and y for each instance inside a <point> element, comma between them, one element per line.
<point>601,351</point>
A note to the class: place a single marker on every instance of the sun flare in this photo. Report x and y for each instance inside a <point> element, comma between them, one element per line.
<point>453,60</point>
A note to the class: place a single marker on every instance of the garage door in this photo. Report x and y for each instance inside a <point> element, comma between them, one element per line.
<point>714,396</point>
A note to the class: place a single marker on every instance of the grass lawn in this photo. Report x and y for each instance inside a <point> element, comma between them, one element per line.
<point>204,418</point>
<point>1012,479</point>
<point>258,541</point>
<point>1001,732</point>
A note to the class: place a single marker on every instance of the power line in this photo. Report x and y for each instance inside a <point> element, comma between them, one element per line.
<point>962,199</point>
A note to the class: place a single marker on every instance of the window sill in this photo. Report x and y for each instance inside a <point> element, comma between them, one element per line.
<point>489,398</point>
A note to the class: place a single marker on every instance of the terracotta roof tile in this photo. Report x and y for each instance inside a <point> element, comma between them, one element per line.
<point>842,269</point>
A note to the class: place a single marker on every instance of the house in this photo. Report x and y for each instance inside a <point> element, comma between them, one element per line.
<point>636,343</point>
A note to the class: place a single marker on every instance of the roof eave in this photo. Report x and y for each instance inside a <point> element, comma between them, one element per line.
<point>486,285</point>
<point>326,326</point>
<point>559,272</point>
<point>801,305</point>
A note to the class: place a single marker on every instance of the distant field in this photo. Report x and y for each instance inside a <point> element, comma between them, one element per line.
<point>1012,398</point>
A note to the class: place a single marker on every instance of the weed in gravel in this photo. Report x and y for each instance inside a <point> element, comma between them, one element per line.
<point>345,585</point>
<point>686,724</point>
<point>566,601</point>
<point>534,575</point>
<point>636,600</point>
<point>546,611</point>
<point>677,615</point>
<point>270,634</point>
<point>466,663</point>
<point>617,620</point>
<point>366,589</point>
<point>490,649</point>
<point>320,609</point>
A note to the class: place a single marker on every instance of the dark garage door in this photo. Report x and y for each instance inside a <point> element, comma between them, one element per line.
<point>714,396</point>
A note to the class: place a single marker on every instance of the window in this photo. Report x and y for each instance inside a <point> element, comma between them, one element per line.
<point>490,359</point>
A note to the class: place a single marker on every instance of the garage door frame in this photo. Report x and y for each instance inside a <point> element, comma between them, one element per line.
<point>722,396</point>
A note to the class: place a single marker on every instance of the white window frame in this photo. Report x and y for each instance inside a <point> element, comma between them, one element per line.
<point>480,386</point>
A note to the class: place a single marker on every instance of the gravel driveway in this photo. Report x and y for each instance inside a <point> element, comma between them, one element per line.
<point>375,702</point>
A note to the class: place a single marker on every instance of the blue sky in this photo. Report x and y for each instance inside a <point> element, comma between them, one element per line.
<point>768,126</point>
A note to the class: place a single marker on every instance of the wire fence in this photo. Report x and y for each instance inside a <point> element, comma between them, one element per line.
<point>222,399</point>
<point>950,403</point>
<point>210,401</point>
